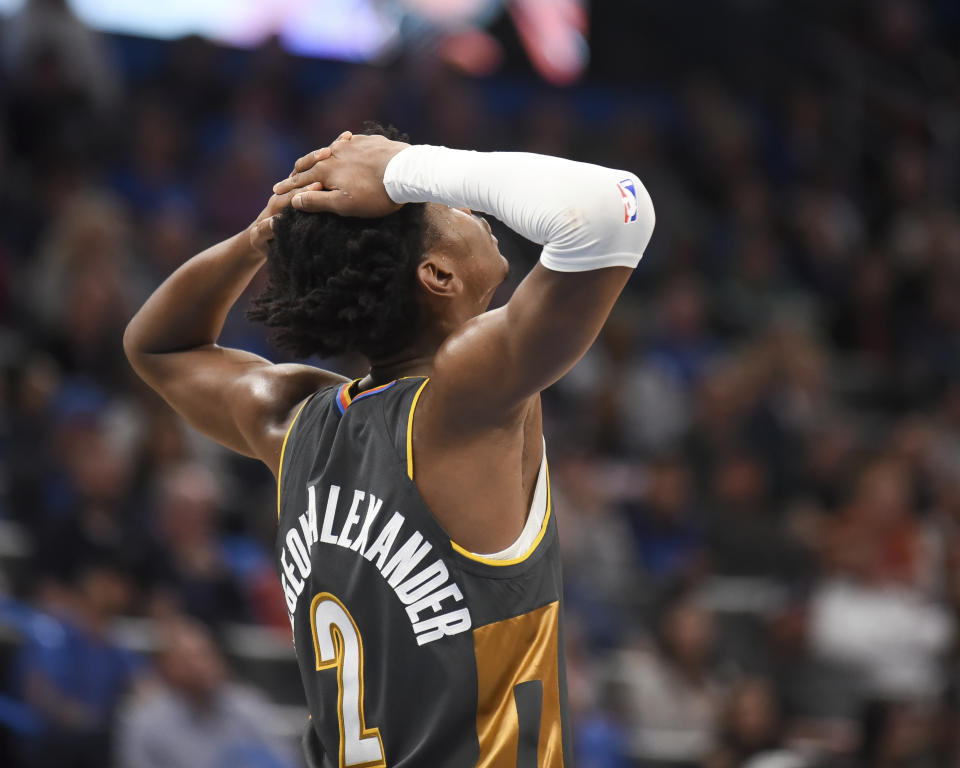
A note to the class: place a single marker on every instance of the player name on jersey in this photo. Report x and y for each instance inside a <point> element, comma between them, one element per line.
<point>429,594</point>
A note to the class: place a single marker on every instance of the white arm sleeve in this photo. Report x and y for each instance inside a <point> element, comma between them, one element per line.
<point>585,216</point>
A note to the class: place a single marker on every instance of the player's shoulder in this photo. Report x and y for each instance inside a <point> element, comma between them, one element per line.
<point>271,397</point>
<point>293,372</point>
<point>472,378</point>
<point>282,387</point>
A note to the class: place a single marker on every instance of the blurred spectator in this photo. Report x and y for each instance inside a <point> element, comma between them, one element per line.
<point>751,729</point>
<point>83,506</point>
<point>170,239</point>
<point>872,612</point>
<point>196,717</point>
<point>603,581</point>
<point>193,575</point>
<point>899,733</point>
<point>683,348</point>
<point>600,735</point>
<point>671,696</point>
<point>665,524</point>
<point>152,178</point>
<point>73,674</point>
<point>83,287</point>
<point>745,536</point>
<point>50,25</point>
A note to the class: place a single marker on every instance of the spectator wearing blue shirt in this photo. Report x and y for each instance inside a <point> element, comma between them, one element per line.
<point>665,523</point>
<point>73,674</point>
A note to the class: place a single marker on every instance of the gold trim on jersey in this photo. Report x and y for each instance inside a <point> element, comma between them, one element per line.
<point>283,450</point>
<point>413,407</point>
<point>465,552</point>
<point>511,652</point>
<point>533,546</point>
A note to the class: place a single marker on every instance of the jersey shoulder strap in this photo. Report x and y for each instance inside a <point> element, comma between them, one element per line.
<point>334,411</point>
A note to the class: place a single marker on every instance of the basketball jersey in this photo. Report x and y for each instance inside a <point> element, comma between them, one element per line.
<point>413,652</point>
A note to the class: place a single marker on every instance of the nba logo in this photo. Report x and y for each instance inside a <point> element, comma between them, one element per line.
<point>628,191</point>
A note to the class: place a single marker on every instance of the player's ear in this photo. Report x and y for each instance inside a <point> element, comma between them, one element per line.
<point>436,275</point>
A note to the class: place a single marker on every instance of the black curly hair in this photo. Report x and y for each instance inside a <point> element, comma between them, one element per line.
<point>338,284</point>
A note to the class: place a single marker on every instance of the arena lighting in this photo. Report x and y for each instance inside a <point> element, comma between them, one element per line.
<point>451,11</point>
<point>553,32</point>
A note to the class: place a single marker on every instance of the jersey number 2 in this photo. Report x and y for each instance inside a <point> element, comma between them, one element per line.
<point>337,644</point>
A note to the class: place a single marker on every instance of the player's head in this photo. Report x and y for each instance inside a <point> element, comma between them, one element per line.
<point>376,286</point>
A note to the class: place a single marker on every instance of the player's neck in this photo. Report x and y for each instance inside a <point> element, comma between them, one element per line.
<point>416,359</point>
<point>413,362</point>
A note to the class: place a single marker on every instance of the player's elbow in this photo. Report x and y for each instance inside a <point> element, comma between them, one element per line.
<point>619,214</point>
<point>129,344</point>
<point>609,224</point>
<point>629,230</point>
<point>132,344</point>
<point>619,228</point>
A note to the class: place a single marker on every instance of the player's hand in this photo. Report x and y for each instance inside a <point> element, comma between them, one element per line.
<point>351,174</point>
<point>261,231</point>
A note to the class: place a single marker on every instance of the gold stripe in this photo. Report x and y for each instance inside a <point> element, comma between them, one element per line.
<point>283,450</point>
<point>511,652</point>
<point>525,555</point>
<point>413,407</point>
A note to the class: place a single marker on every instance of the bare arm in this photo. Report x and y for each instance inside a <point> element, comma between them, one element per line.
<point>237,398</point>
<point>492,365</point>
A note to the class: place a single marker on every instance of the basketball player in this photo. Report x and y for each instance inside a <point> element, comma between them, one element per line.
<point>417,548</point>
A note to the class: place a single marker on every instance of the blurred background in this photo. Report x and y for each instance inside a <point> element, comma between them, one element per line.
<point>756,467</point>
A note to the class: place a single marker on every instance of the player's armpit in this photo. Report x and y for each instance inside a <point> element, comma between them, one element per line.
<point>236,398</point>
<point>498,360</point>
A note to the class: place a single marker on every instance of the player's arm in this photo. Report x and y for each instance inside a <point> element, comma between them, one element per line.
<point>235,397</point>
<point>501,358</point>
<point>593,222</point>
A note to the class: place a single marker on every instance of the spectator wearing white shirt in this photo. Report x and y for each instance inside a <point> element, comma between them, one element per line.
<point>197,718</point>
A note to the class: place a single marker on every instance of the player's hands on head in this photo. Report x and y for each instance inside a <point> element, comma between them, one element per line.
<point>350,172</point>
<point>261,231</point>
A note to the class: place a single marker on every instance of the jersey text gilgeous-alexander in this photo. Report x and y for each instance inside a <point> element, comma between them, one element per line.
<point>422,592</point>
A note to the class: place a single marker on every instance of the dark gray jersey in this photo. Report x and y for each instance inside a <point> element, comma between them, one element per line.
<point>413,652</point>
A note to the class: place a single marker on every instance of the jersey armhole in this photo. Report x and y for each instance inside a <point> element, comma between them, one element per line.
<point>283,449</point>
<point>413,408</point>
<point>494,561</point>
<point>535,544</point>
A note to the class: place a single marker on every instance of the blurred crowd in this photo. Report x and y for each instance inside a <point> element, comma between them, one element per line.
<point>756,467</point>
